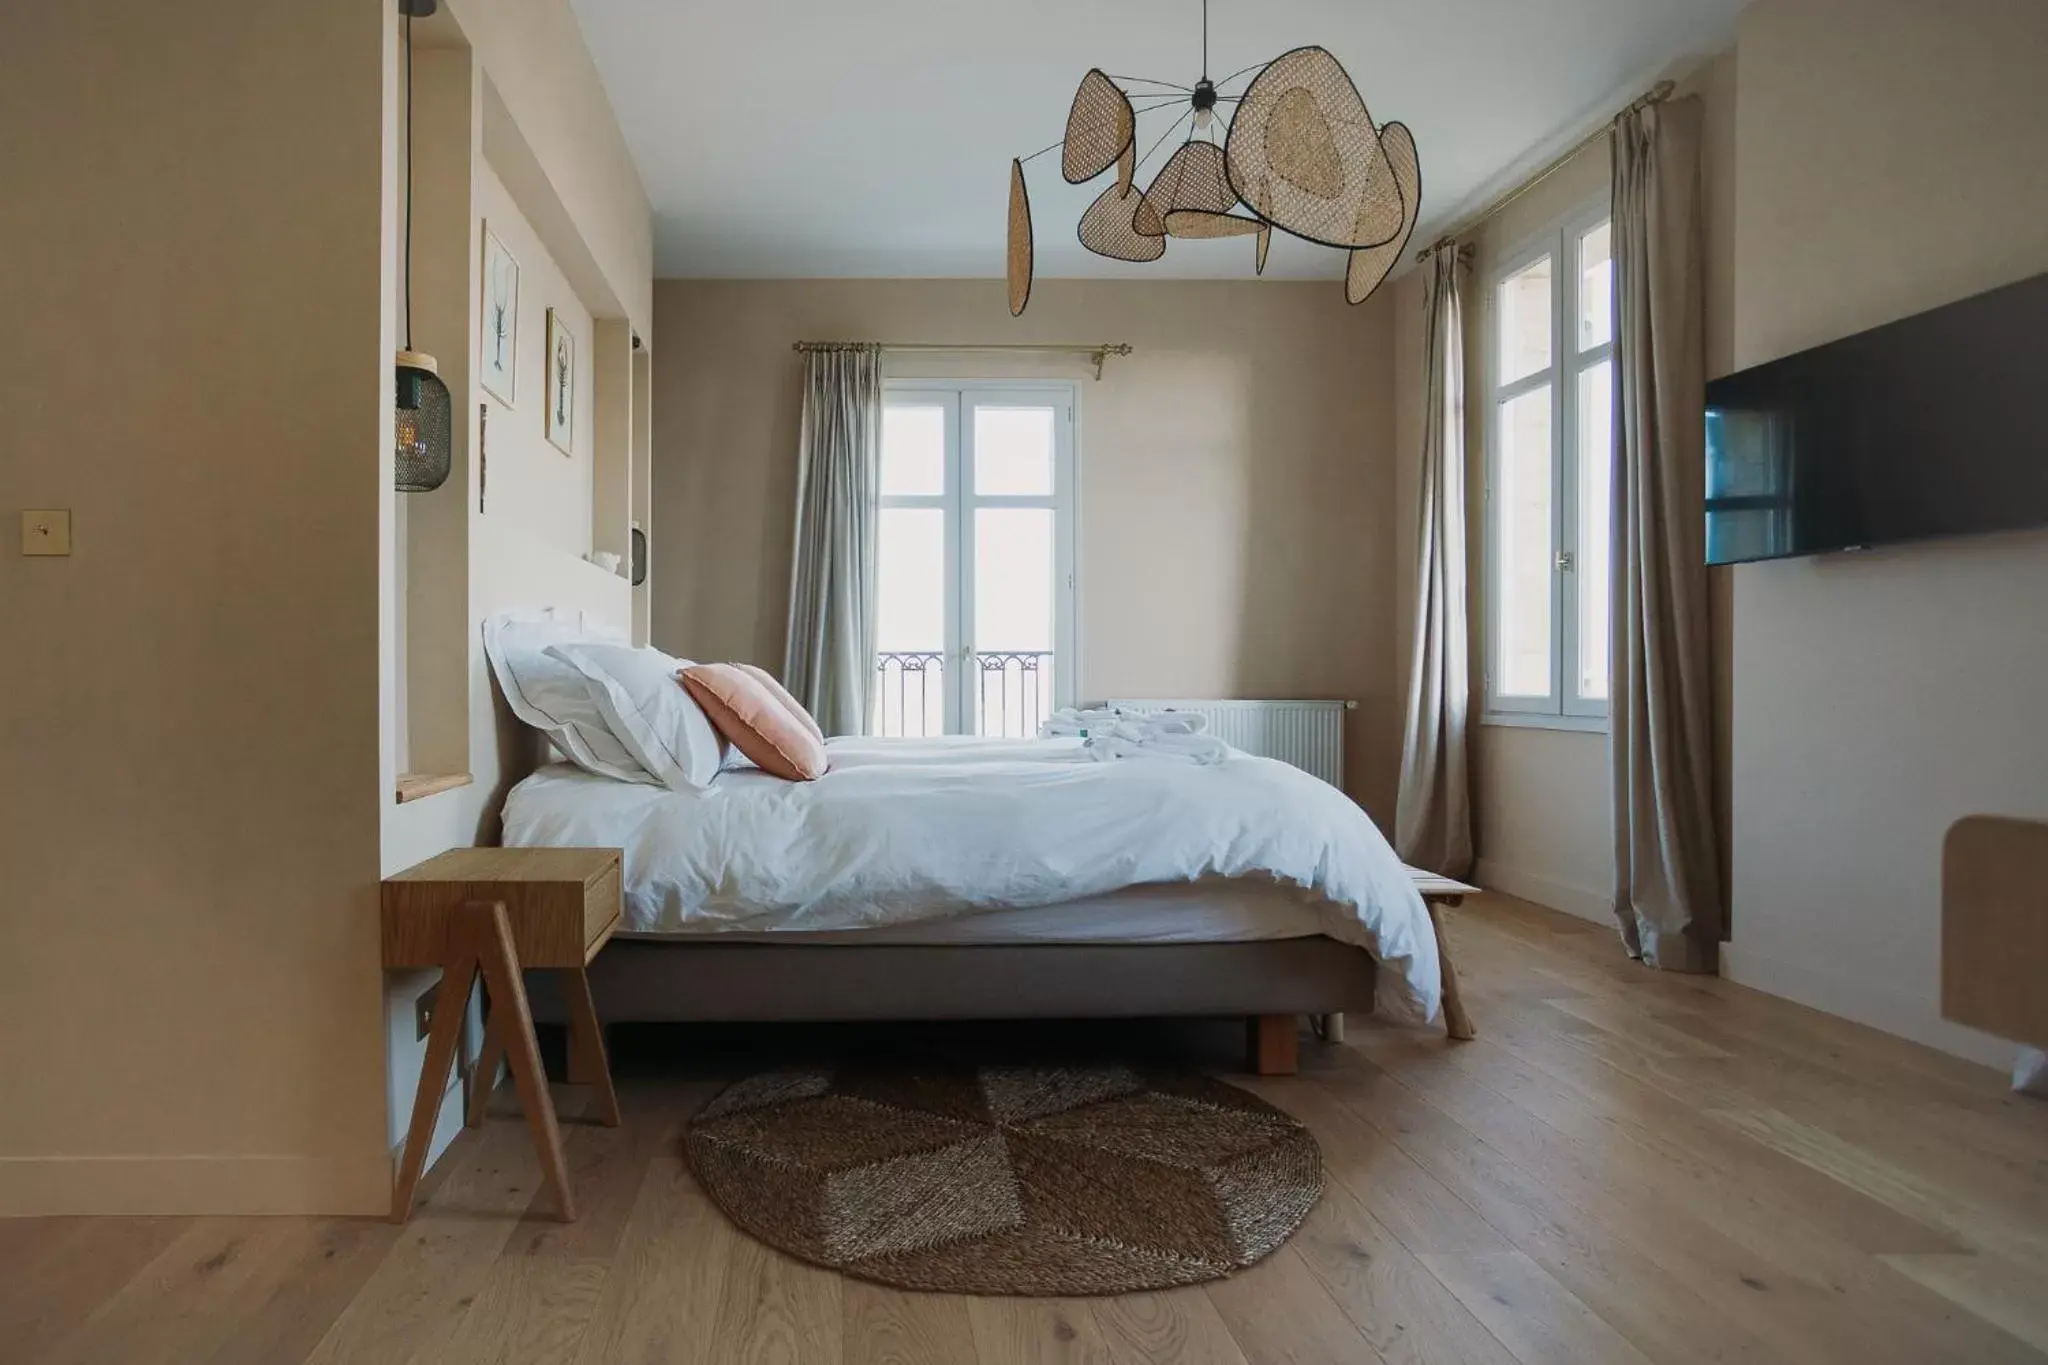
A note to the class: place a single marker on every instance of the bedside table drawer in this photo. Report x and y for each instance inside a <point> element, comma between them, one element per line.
<point>603,903</point>
<point>561,903</point>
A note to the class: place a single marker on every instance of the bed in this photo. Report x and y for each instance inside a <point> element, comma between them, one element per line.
<point>962,878</point>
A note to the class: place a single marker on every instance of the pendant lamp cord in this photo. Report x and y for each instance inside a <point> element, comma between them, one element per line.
<point>408,181</point>
<point>1205,39</point>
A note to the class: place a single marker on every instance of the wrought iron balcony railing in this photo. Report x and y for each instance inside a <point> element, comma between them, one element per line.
<point>1010,696</point>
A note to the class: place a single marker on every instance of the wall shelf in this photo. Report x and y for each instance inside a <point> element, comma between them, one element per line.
<point>419,786</point>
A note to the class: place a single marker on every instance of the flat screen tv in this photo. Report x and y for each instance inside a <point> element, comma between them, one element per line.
<point>1933,426</point>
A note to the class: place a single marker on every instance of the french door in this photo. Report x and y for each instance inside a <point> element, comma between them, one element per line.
<point>975,558</point>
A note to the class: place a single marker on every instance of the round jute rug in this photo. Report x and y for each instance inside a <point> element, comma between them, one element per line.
<point>1007,1179</point>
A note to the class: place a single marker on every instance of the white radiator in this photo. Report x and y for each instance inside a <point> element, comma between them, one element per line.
<point>1308,734</point>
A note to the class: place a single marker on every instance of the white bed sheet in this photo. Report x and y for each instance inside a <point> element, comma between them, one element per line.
<point>926,837</point>
<point>1213,911</point>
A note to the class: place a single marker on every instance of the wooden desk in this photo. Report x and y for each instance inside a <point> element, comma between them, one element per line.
<point>497,912</point>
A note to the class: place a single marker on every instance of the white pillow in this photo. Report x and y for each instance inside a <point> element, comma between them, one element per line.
<point>553,697</point>
<point>649,711</point>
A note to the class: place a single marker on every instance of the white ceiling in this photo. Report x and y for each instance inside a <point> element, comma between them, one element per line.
<point>819,138</point>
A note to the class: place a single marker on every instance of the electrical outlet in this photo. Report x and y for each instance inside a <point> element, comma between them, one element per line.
<point>423,1009</point>
<point>46,531</point>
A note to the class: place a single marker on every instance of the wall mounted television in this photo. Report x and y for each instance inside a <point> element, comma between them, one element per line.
<point>1936,425</point>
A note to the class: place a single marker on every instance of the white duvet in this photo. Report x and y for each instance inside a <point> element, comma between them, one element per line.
<point>904,830</point>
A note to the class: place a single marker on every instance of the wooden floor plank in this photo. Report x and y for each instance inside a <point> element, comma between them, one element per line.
<point>886,1326</point>
<point>1181,1325</point>
<point>195,1295</point>
<point>1751,1258</point>
<point>62,1269</point>
<point>661,1297</point>
<point>1923,1195</point>
<point>412,1305</point>
<point>777,1310</point>
<point>1626,1166</point>
<point>1667,1284</point>
<point>1537,1318</point>
<point>1279,1311</point>
<point>1037,1332</point>
<point>1987,1287</point>
<point>1673,1134</point>
<point>1402,1309</point>
<point>1414,1205</point>
<point>299,1309</point>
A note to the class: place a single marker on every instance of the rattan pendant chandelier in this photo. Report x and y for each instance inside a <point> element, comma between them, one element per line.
<point>1300,153</point>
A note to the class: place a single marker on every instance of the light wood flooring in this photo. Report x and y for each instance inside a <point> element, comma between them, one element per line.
<point>1625,1167</point>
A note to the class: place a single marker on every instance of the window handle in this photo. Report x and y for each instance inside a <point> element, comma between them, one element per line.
<point>1565,561</point>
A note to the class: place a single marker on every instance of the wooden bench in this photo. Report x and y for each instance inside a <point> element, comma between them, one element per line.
<point>1436,893</point>
<point>1272,1041</point>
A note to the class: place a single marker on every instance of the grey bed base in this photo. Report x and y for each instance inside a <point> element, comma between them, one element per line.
<point>651,981</point>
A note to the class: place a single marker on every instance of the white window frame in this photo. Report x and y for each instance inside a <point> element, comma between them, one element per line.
<point>959,397</point>
<point>1564,708</point>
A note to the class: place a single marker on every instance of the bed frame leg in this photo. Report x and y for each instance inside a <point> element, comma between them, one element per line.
<point>1272,1044</point>
<point>1333,1028</point>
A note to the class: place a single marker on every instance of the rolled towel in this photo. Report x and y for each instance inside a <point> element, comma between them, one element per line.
<point>1176,722</point>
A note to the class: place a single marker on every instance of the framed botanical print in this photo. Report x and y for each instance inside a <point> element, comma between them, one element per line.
<point>561,384</point>
<point>499,342</point>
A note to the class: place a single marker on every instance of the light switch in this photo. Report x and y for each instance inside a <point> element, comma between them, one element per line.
<point>46,532</point>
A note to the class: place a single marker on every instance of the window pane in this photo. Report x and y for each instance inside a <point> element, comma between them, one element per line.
<point>1596,481</point>
<point>910,663</point>
<point>1013,619</point>
<point>911,573</point>
<point>913,451</point>
<point>1523,563</point>
<point>1525,322</point>
<point>1013,554</point>
<point>1596,287</point>
<point>1013,452</point>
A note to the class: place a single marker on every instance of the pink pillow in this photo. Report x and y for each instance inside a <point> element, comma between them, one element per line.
<point>781,694</point>
<point>757,724</point>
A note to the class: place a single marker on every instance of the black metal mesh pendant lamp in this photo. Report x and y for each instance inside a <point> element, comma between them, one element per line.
<point>423,422</point>
<point>422,413</point>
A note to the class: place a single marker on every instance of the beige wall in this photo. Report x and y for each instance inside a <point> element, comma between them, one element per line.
<point>536,485</point>
<point>196,803</point>
<point>1237,499</point>
<point>1886,164</point>
<point>196,363</point>
<point>533,55</point>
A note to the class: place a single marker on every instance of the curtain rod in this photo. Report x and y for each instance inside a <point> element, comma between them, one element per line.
<point>1656,94</point>
<point>1096,352</point>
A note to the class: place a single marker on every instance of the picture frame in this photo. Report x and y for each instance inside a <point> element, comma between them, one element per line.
<point>498,321</point>
<point>559,373</point>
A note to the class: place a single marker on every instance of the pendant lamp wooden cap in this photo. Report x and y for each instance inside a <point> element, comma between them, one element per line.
<point>419,360</point>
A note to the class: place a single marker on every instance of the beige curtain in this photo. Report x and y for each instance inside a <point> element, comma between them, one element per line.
<point>831,644</point>
<point>1433,815</point>
<point>1667,895</point>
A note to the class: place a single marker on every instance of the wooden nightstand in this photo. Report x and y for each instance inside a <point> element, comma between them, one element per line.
<point>498,912</point>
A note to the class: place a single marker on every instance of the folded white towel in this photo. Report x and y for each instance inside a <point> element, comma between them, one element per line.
<point>1171,748</point>
<point>1068,722</point>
